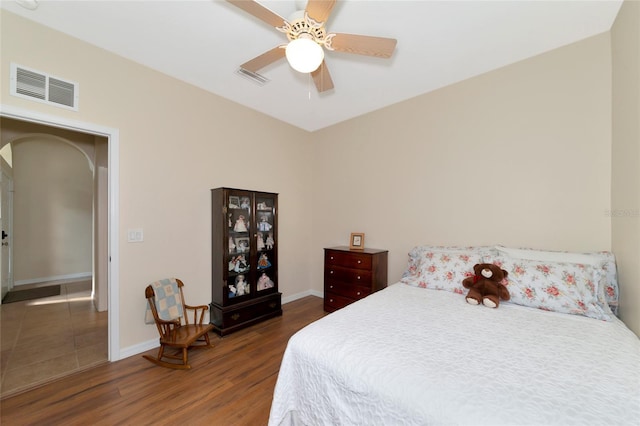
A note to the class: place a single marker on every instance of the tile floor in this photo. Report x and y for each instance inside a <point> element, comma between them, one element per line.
<point>47,338</point>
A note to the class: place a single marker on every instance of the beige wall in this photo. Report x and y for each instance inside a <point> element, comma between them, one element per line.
<point>176,142</point>
<point>625,193</point>
<point>519,156</point>
<point>52,205</point>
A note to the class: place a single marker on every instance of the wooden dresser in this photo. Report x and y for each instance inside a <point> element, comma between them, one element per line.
<point>350,275</point>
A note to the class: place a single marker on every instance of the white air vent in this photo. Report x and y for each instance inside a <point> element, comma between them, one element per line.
<point>253,76</point>
<point>35,85</point>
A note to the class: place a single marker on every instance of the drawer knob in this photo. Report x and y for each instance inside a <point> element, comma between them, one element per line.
<point>331,272</point>
<point>358,276</point>
<point>359,262</point>
<point>330,286</point>
<point>331,257</point>
<point>235,317</point>
<point>330,300</point>
<point>358,293</point>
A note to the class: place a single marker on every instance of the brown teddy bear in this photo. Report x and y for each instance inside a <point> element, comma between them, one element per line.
<point>486,286</point>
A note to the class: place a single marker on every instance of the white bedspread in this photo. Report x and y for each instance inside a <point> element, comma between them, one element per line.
<point>411,356</point>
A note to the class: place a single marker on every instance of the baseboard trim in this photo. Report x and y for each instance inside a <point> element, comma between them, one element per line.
<point>297,296</point>
<point>68,277</point>
<point>139,348</point>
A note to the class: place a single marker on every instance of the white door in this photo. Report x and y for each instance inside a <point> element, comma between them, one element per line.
<point>6,225</point>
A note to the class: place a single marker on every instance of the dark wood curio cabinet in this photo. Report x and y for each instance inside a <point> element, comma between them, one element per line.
<point>244,285</point>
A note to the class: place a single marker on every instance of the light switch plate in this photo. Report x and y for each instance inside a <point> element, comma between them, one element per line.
<point>135,235</point>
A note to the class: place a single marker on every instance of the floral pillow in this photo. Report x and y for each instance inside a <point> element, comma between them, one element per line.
<point>443,268</point>
<point>418,253</point>
<point>605,261</point>
<point>610,281</point>
<point>564,287</point>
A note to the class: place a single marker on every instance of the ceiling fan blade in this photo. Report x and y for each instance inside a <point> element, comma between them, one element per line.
<point>319,10</point>
<point>259,11</point>
<point>322,78</point>
<point>364,45</point>
<point>263,60</point>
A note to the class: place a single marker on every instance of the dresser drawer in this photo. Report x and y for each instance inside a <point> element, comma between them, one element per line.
<point>347,290</point>
<point>355,276</point>
<point>242,314</point>
<point>348,259</point>
<point>333,302</point>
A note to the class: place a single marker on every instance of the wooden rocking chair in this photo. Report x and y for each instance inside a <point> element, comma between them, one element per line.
<point>166,308</point>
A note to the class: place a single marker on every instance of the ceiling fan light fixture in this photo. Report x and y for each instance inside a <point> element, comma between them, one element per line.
<point>304,54</point>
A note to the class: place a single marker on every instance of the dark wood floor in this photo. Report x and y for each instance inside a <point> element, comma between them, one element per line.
<point>231,384</point>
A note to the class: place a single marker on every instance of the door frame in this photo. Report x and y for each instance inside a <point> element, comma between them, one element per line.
<point>6,220</point>
<point>112,136</point>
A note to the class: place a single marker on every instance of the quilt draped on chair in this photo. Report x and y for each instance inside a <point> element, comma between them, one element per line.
<point>167,300</point>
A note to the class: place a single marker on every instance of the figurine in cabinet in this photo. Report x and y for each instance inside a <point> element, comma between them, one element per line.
<point>241,224</point>
<point>240,264</point>
<point>262,206</point>
<point>242,245</point>
<point>263,262</point>
<point>264,282</point>
<point>232,291</point>
<point>242,287</point>
<point>232,245</point>
<point>264,224</point>
<point>245,203</point>
<point>260,241</point>
<point>270,242</point>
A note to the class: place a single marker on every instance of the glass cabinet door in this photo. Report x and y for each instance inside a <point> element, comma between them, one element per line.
<point>239,219</point>
<point>266,224</point>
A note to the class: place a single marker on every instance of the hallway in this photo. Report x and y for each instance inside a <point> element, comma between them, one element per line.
<point>47,338</point>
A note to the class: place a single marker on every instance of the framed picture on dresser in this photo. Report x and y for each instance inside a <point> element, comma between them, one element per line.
<point>356,242</point>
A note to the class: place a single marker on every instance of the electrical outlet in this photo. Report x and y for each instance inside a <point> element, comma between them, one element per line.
<point>135,235</point>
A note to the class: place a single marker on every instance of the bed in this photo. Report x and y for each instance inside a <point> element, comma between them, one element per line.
<point>416,354</point>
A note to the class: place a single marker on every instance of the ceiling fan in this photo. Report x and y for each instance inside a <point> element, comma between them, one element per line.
<point>307,38</point>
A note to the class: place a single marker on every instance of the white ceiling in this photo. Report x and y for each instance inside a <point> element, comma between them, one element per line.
<point>439,43</point>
